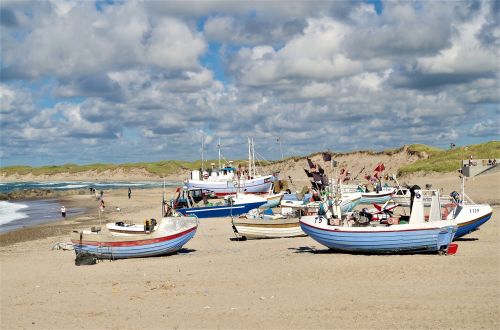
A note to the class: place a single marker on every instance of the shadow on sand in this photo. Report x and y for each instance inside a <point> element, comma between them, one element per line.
<point>466,239</point>
<point>186,251</point>
<point>308,249</point>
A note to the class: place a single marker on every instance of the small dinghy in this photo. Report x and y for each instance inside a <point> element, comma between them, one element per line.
<point>171,234</point>
<point>258,224</point>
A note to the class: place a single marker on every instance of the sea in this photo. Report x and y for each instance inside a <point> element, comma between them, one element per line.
<point>26,213</point>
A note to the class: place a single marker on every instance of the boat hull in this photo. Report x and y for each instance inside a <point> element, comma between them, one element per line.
<point>220,211</point>
<point>471,217</point>
<point>222,188</point>
<point>377,198</point>
<point>267,228</point>
<point>394,239</point>
<point>106,246</point>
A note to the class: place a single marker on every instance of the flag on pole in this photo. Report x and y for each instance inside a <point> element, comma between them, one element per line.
<point>380,168</point>
<point>311,164</point>
<point>327,156</point>
<point>309,175</point>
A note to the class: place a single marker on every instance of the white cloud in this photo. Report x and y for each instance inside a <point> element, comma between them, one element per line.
<point>489,128</point>
<point>138,80</point>
<point>316,90</point>
<point>466,54</point>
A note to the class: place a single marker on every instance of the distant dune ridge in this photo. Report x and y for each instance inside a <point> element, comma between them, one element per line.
<point>404,162</point>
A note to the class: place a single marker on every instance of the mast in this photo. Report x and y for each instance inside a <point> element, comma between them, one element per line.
<point>281,148</point>
<point>249,158</point>
<point>253,159</point>
<point>218,146</point>
<point>202,154</point>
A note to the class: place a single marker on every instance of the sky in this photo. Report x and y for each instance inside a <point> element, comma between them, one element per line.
<point>131,81</point>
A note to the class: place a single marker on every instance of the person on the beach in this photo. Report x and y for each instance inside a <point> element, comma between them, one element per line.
<point>129,192</point>
<point>63,211</point>
<point>102,193</point>
<point>101,206</point>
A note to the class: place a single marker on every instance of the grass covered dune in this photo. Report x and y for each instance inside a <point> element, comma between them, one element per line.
<point>428,159</point>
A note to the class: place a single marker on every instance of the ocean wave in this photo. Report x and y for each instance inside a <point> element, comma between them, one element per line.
<point>71,186</point>
<point>11,211</point>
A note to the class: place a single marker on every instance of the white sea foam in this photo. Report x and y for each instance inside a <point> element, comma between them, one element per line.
<point>11,211</point>
<point>71,186</point>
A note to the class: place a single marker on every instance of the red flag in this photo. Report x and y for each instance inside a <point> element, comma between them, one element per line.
<point>375,175</point>
<point>380,167</point>
<point>368,177</point>
<point>342,172</point>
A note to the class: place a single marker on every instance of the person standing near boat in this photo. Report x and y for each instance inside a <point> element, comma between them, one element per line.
<point>63,212</point>
<point>129,192</point>
<point>101,206</point>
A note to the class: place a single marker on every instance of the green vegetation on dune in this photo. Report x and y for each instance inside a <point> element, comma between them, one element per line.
<point>444,161</point>
<point>159,168</point>
<point>432,160</point>
<point>422,148</point>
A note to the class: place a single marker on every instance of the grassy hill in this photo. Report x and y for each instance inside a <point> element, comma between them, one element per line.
<point>430,159</point>
<point>443,161</point>
<point>161,168</point>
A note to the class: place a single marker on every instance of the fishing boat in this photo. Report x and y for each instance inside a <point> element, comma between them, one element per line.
<point>368,197</point>
<point>228,180</point>
<point>347,203</point>
<point>240,204</point>
<point>403,234</point>
<point>463,212</point>
<point>171,234</point>
<point>272,199</point>
<point>459,208</point>
<point>264,224</point>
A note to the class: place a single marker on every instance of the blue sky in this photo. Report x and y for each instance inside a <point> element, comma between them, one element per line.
<point>128,81</point>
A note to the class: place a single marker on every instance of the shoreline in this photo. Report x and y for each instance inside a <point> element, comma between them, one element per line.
<point>481,189</point>
<point>89,217</point>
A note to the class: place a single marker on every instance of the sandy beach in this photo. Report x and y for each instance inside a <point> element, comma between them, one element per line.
<point>216,282</point>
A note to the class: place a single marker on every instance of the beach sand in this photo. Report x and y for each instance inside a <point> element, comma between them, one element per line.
<point>216,282</point>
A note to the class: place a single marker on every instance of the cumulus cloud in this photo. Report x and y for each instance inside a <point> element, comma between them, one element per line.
<point>75,39</point>
<point>139,80</point>
<point>487,128</point>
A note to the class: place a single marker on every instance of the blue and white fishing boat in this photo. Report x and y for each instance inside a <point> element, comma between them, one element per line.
<point>347,203</point>
<point>171,234</point>
<point>346,233</point>
<point>466,214</point>
<point>240,204</point>
<point>368,197</point>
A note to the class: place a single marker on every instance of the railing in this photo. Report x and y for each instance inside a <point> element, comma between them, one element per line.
<point>472,167</point>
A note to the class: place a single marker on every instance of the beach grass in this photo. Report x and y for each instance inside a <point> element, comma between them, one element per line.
<point>431,160</point>
<point>444,161</point>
